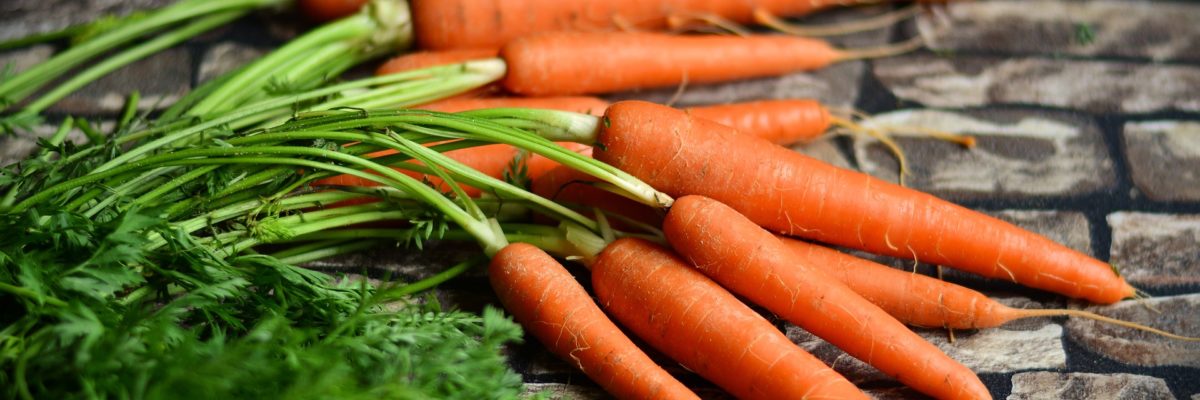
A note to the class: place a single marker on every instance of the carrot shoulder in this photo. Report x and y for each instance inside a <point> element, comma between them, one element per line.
<point>790,193</point>
<point>747,260</point>
<point>705,328</point>
<point>555,309</point>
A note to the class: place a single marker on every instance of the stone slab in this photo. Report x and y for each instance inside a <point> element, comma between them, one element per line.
<point>1175,314</point>
<point>1164,158</point>
<point>1156,250</point>
<point>1081,386</point>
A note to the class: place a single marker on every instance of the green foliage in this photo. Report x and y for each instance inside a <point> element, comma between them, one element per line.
<point>92,314</point>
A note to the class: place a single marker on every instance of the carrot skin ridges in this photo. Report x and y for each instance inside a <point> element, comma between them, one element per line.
<point>447,24</point>
<point>787,192</point>
<point>569,185</point>
<point>545,299</point>
<point>912,298</point>
<point>691,319</point>
<point>783,122</point>
<point>570,63</point>
<point>749,261</point>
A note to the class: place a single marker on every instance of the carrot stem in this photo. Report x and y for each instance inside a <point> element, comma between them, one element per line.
<point>1093,316</point>
<point>766,18</point>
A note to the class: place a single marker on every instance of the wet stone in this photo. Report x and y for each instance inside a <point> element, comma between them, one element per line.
<point>1155,30</point>
<point>1094,86</point>
<point>161,79</point>
<point>1080,386</point>
<point>1164,159</point>
<point>19,18</point>
<point>225,57</point>
<point>1178,315</point>
<point>997,350</point>
<point>1018,153</point>
<point>1156,250</point>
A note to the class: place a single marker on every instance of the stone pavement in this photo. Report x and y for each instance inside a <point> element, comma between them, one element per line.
<point>1087,116</point>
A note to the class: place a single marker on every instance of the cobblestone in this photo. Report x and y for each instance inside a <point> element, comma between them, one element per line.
<point>225,57</point>
<point>19,18</point>
<point>1156,250</point>
<point>1175,314</point>
<point>161,79</point>
<point>1095,86</point>
<point>1086,386</point>
<point>1155,30</point>
<point>1164,159</point>
<point>1018,153</point>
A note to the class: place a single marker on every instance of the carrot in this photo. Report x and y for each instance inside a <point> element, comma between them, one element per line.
<point>579,104</point>
<point>920,300</point>
<point>490,159</point>
<point>554,308</point>
<point>566,184</point>
<point>448,24</point>
<point>328,10</point>
<point>694,321</point>
<point>782,122</point>
<point>788,192</point>
<point>426,59</point>
<point>568,63</point>
<point>747,260</point>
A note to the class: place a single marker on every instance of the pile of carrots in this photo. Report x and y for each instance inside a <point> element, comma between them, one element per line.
<point>742,205</point>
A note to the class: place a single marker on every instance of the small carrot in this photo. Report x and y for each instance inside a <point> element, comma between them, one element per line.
<point>747,260</point>
<point>569,63</point>
<point>426,59</point>
<point>691,319</point>
<point>790,193</point>
<point>544,298</point>
<point>568,185</point>
<point>328,10</point>
<point>920,300</point>
<point>448,24</point>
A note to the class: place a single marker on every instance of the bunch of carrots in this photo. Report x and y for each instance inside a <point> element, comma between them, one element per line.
<point>692,210</point>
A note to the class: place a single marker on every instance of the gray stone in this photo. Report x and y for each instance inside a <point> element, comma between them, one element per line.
<point>19,18</point>
<point>1078,385</point>
<point>1164,159</point>
<point>563,391</point>
<point>1096,86</point>
<point>404,262</point>
<point>22,59</point>
<point>1156,250</point>
<point>161,79</point>
<point>1069,228</point>
<point>1175,314</point>
<point>894,393</point>
<point>825,149</point>
<point>997,350</point>
<point>1155,30</point>
<point>225,57</point>
<point>14,148</point>
<point>1018,153</point>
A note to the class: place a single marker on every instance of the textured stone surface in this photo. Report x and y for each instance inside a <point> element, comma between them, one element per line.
<point>404,262</point>
<point>985,351</point>
<point>836,85</point>
<point>225,57</point>
<point>1176,314</point>
<point>19,18</point>
<point>161,79</point>
<point>1018,153</point>
<point>1095,86</point>
<point>1081,386</point>
<point>563,391</point>
<point>21,59</point>
<point>1154,30</point>
<point>824,149</point>
<point>14,148</point>
<point>1164,158</point>
<point>1154,250</point>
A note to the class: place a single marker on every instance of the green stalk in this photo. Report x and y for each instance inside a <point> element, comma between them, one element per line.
<point>362,28</point>
<point>56,139</point>
<point>17,88</point>
<point>128,56</point>
<point>436,279</point>
<point>320,250</point>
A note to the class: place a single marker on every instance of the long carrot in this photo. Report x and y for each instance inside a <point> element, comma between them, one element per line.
<point>788,192</point>
<point>568,63</point>
<point>447,24</point>
<point>555,309</point>
<point>920,300</point>
<point>702,326</point>
<point>747,260</point>
<point>426,59</point>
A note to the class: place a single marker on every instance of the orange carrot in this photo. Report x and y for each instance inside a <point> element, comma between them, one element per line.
<point>694,321</point>
<point>783,122</point>
<point>788,192</point>
<point>568,63</point>
<point>566,184</point>
<point>545,299</point>
<point>490,159</point>
<point>920,300</point>
<point>447,24</point>
<point>426,59</point>
<point>579,104</point>
<point>328,10</point>
<point>747,260</point>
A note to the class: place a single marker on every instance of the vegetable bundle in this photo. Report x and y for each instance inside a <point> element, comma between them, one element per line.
<point>162,258</point>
